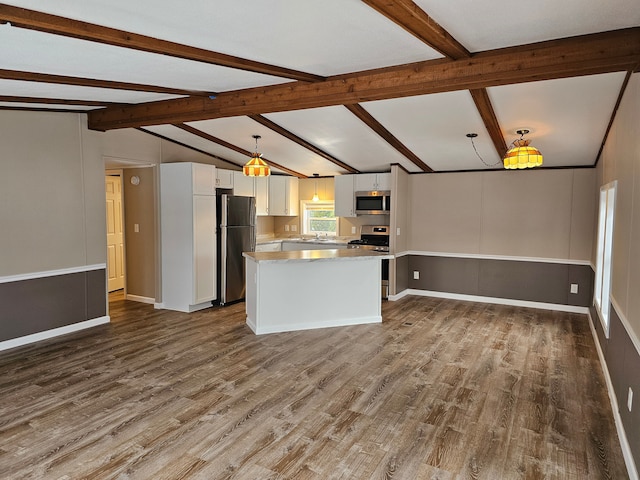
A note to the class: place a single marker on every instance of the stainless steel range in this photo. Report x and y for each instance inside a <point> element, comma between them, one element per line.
<point>372,237</point>
<point>375,237</point>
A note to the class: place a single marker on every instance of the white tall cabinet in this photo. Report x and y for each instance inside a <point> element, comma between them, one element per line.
<point>188,239</point>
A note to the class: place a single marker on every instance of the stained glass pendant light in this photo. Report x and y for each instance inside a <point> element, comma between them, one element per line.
<point>256,167</point>
<point>521,154</point>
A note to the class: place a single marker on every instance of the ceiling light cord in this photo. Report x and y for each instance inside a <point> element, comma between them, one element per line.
<point>471,136</point>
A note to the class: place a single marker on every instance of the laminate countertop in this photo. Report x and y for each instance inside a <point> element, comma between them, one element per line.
<point>315,255</point>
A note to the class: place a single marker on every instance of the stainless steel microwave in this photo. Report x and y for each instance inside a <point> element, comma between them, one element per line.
<point>373,202</point>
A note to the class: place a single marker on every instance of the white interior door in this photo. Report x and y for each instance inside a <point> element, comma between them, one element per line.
<point>115,236</point>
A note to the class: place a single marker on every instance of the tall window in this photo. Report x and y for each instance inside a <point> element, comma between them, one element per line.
<point>319,218</point>
<point>602,288</point>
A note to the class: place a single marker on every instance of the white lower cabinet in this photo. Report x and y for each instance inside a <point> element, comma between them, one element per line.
<point>188,240</point>
<point>295,246</point>
<point>269,247</point>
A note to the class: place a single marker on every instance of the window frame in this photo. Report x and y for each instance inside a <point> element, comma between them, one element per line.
<point>604,254</point>
<point>308,205</point>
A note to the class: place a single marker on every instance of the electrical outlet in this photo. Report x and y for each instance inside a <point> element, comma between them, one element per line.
<point>574,288</point>
<point>136,227</point>
<point>353,230</point>
<point>630,399</point>
<point>294,228</point>
<point>398,231</point>
<point>286,228</point>
<point>416,275</point>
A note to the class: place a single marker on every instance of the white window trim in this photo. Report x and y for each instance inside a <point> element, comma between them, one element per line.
<point>604,254</point>
<point>303,220</point>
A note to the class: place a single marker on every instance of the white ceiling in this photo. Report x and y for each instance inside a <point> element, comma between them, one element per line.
<point>567,117</point>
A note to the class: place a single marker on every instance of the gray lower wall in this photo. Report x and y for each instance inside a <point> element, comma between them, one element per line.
<point>509,279</point>
<point>402,274</point>
<point>623,364</point>
<point>41,304</point>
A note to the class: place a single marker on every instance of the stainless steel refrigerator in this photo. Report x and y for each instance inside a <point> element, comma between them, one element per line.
<point>236,234</point>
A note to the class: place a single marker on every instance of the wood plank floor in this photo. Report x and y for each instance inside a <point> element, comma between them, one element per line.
<point>441,390</point>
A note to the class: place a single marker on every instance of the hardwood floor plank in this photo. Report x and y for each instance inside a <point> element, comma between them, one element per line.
<point>441,389</point>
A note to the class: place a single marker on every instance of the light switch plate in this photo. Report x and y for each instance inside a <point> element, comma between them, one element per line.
<point>286,228</point>
<point>574,288</point>
<point>353,230</point>
<point>416,275</point>
<point>136,227</point>
<point>294,228</point>
<point>630,399</point>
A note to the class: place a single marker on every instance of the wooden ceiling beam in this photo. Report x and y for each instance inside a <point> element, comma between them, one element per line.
<point>90,82</point>
<point>44,22</point>
<point>415,21</point>
<point>623,89</point>
<point>606,52</point>
<point>176,142</point>
<point>235,148</point>
<point>56,101</point>
<point>418,23</point>
<point>386,135</point>
<point>483,104</point>
<point>302,142</point>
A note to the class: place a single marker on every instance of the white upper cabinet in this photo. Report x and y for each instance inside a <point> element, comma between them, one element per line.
<point>344,198</point>
<point>204,178</point>
<point>262,196</point>
<point>283,196</point>
<point>224,178</point>
<point>243,186</point>
<point>257,187</point>
<point>365,182</point>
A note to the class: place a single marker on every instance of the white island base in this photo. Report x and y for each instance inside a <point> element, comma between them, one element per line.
<point>307,289</point>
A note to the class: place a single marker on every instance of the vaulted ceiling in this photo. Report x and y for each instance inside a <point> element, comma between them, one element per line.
<point>332,87</point>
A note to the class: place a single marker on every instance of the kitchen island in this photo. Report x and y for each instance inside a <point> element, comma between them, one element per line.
<point>301,290</point>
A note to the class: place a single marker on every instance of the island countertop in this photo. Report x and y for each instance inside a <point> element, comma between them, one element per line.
<point>315,255</point>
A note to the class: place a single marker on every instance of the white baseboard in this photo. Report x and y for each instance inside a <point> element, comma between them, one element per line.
<point>56,332</point>
<point>498,301</point>
<point>398,296</point>
<point>138,298</point>
<point>622,435</point>
<point>182,308</point>
<point>311,326</point>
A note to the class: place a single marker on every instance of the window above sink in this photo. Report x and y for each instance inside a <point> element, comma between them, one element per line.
<point>319,219</point>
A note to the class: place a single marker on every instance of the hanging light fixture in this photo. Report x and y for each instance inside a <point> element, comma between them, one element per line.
<point>315,189</point>
<point>521,155</point>
<point>256,167</point>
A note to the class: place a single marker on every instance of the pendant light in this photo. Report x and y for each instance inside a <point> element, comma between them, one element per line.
<point>315,189</point>
<point>521,154</point>
<point>256,167</point>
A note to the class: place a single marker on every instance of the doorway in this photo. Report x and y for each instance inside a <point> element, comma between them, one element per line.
<point>115,232</point>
